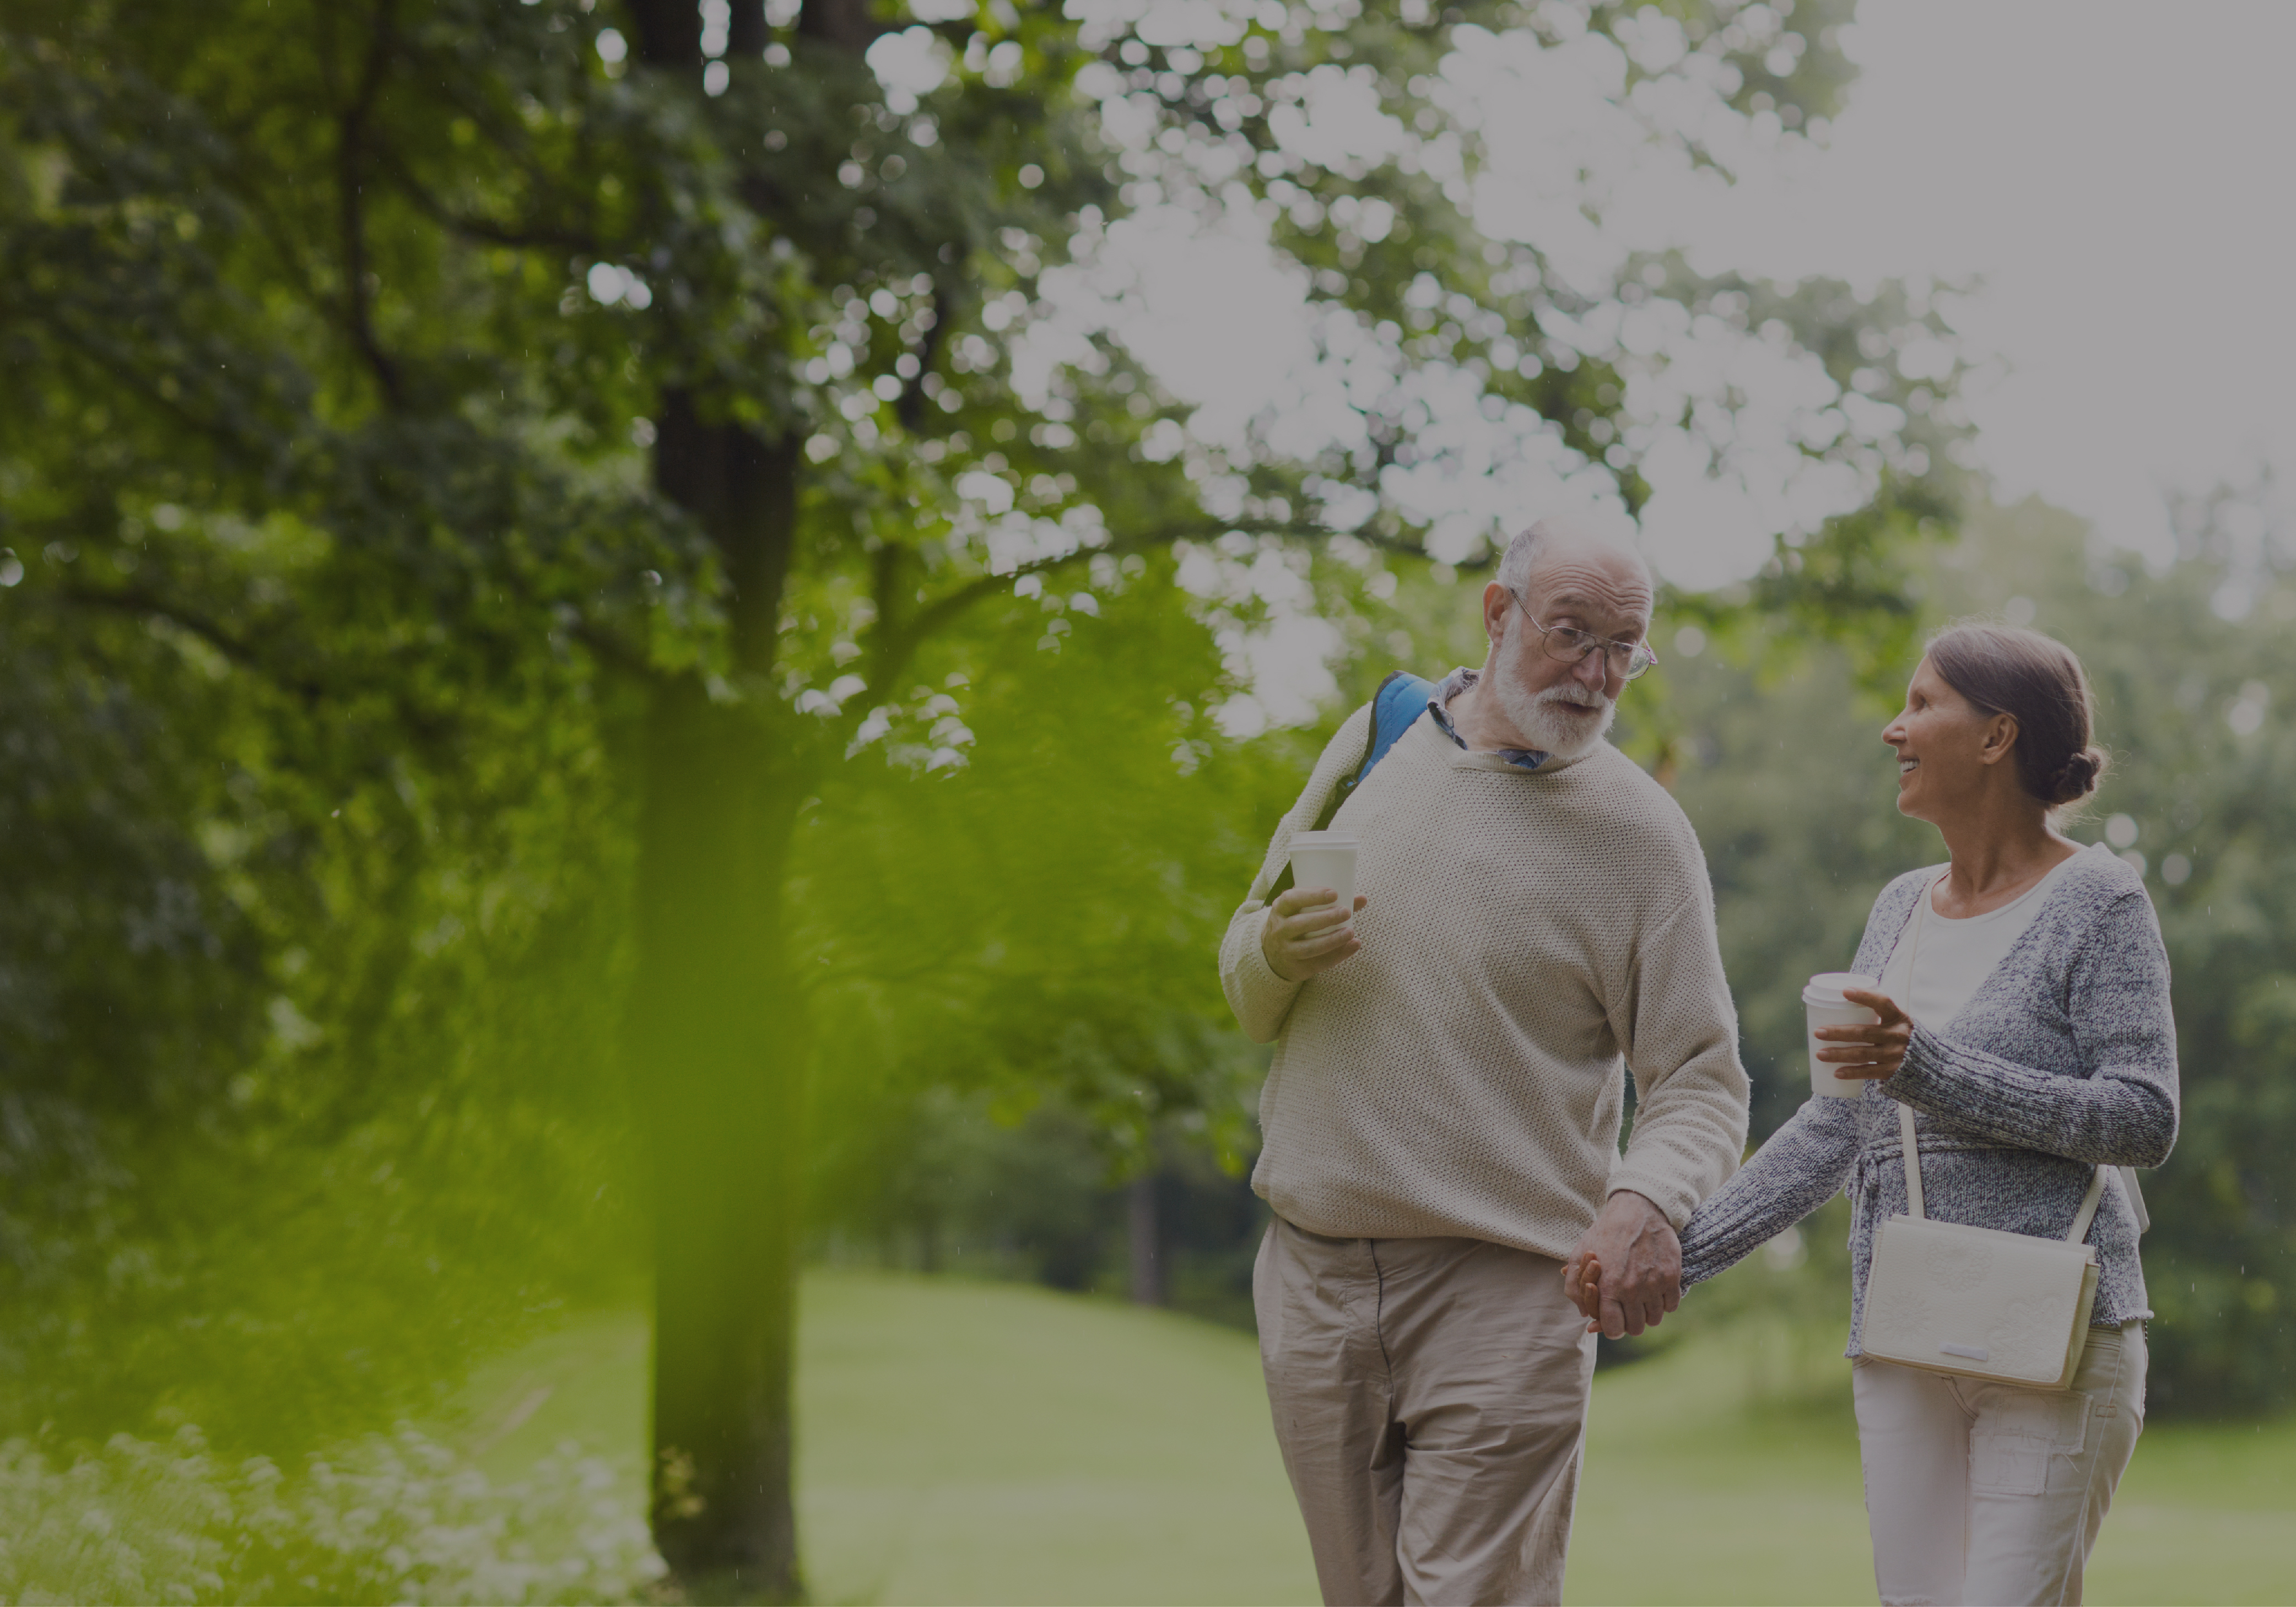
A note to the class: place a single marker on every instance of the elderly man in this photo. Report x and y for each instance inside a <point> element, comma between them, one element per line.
<point>1441,1120</point>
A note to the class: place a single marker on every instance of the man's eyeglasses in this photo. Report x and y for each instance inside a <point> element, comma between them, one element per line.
<point>1625,659</point>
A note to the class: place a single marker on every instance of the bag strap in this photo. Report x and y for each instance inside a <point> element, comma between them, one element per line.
<point>1913,1159</point>
<point>2088,1212</point>
<point>1373,750</point>
<point>2130,1186</point>
<point>1911,1146</point>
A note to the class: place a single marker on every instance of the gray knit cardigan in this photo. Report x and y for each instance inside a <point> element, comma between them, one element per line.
<point>2065,1055</point>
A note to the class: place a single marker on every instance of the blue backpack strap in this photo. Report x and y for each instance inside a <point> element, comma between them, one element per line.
<point>1395,708</point>
<point>1402,698</point>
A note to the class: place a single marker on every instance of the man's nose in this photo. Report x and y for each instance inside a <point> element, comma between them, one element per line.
<point>1593,671</point>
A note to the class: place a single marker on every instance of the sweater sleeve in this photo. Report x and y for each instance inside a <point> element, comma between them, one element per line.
<point>2124,1113</point>
<point>1260,998</point>
<point>1691,1094</point>
<point>1802,1167</point>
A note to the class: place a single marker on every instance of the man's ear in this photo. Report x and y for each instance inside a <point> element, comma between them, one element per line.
<point>1496,601</point>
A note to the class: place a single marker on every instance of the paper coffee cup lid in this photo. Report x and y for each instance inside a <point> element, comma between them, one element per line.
<point>1826,988</point>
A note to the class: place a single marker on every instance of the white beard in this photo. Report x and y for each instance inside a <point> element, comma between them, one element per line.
<point>1535,717</point>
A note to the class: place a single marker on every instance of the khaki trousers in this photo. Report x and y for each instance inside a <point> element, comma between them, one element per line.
<point>1430,1399</point>
<point>1990,1494</point>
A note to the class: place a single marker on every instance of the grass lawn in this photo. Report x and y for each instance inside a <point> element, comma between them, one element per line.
<point>969,1442</point>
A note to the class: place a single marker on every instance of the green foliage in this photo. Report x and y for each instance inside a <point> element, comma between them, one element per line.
<point>395,1518</point>
<point>1031,922</point>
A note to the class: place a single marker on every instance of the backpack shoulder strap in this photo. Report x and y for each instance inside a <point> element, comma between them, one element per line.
<point>1401,700</point>
<point>1395,708</point>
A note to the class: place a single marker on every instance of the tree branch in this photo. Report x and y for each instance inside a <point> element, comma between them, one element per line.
<point>747,33</point>
<point>910,409</point>
<point>350,178</point>
<point>255,198</point>
<point>523,236</point>
<point>103,353</point>
<point>669,32</point>
<point>612,651</point>
<point>844,23</point>
<point>901,646</point>
<point>510,136</point>
<point>136,600</point>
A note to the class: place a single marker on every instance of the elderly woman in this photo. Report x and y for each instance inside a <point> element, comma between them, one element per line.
<point>2024,1020</point>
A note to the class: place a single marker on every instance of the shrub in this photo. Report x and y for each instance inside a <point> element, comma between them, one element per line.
<point>394,1518</point>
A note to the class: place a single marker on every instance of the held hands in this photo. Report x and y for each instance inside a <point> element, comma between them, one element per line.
<point>1626,1273</point>
<point>1307,931</point>
<point>1875,1052</point>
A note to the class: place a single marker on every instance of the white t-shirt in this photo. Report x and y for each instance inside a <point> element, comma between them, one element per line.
<point>1957,956</point>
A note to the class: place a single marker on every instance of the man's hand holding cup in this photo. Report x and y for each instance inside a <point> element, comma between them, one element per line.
<point>1308,930</point>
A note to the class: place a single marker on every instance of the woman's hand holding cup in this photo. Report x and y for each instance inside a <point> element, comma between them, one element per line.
<point>1872,1052</point>
<point>1308,930</point>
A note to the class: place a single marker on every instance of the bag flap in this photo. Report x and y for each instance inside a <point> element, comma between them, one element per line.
<point>1948,1295</point>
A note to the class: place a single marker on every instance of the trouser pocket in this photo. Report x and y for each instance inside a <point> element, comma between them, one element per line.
<point>2016,1433</point>
<point>1267,1298</point>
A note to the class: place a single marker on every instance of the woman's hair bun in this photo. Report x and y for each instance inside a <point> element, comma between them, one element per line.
<point>2078,777</point>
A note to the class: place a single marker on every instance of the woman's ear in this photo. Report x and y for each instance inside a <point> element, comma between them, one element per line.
<point>2000,738</point>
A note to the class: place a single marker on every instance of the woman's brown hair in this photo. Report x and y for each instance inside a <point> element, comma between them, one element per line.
<point>2038,682</point>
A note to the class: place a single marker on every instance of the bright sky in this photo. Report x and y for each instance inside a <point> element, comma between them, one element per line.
<point>2120,173</point>
<point>2116,173</point>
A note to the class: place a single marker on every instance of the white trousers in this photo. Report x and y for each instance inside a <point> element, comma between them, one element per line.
<point>1984,1495</point>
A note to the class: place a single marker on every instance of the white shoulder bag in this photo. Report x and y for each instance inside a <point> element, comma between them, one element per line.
<point>1977,1302</point>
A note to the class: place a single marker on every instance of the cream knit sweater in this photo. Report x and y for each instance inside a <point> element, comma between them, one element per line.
<point>1528,933</point>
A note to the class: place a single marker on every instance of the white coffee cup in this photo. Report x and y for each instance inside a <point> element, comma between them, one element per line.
<point>1827,1008</point>
<point>1325,859</point>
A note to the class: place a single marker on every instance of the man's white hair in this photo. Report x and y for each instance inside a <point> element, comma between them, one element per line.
<point>1523,553</point>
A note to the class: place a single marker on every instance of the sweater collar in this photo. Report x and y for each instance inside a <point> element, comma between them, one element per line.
<point>1453,685</point>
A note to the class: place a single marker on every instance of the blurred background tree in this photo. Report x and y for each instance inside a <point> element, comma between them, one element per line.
<point>575,570</point>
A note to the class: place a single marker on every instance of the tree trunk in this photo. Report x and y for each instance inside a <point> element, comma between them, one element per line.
<point>718,1045</point>
<point>1147,1243</point>
<point>719,1056</point>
